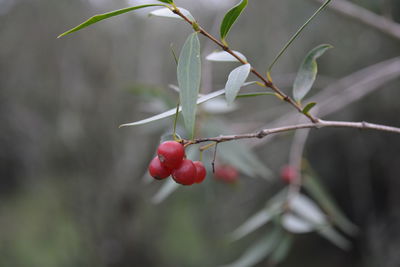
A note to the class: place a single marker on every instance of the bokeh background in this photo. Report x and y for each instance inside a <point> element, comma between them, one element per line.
<point>73,189</point>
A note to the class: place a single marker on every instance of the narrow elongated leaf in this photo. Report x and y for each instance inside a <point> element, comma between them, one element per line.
<point>218,106</point>
<point>307,209</point>
<point>231,17</point>
<point>255,94</point>
<point>282,249</point>
<point>308,107</point>
<point>335,237</point>
<point>296,225</point>
<point>235,81</point>
<point>273,208</point>
<point>172,111</point>
<point>253,223</point>
<point>223,56</point>
<point>259,250</point>
<point>189,75</point>
<point>167,1</point>
<point>308,72</point>
<point>167,13</point>
<point>165,191</point>
<point>104,16</point>
<point>291,40</point>
<point>321,195</point>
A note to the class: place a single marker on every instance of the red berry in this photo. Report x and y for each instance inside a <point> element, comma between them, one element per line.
<point>226,173</point>
<point>201,171</point>
<point>171,154</point>
<point>186,173</point>
<point>288,174</point>
<point>158,170</point>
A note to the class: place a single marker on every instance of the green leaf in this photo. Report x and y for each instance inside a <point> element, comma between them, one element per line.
<point>189,75</point>
<point>259,251</point>
<point>172,112</point>
<point>165,191</point>
<point>104,16</point>
<point>167,1</point>
<point>253,223</point>
<point>231,17</point>
<point>320,194</point>
<point>235,81</point>
<point>167,13</point>
<point>282,250</point>
<point>255,94</point>
<point>273,208</point>
<point>308,107</point>
<point>334,237</point>
<point>308,72</point>
<point>223,56</point>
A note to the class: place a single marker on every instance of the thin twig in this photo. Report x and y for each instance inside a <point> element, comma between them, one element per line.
<point>318,125</point>
<point>266,82</point>
<point>343,93</point>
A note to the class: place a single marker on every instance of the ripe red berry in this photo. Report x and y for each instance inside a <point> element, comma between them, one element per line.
<point>171,154</point>
<point>288,174</point>
<point>201,171</point>
<point>186,173</point>
<point>226,173</point>
<point>158,170</point>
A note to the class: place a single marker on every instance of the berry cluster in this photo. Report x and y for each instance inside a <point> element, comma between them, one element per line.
<point>171,160</point>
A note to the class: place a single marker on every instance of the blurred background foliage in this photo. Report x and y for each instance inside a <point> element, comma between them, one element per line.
<point>72,191</point>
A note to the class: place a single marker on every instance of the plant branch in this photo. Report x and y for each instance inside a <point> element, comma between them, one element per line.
<point>266,82</point>
<point>317,125</point>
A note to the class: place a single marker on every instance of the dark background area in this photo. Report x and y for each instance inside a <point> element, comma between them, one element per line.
<point>72,191</point>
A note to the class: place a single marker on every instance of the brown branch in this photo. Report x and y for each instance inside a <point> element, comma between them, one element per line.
<point>317,125</point>
<point>266,82</point>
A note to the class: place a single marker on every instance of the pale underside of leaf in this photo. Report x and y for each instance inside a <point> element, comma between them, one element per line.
<point>259,251</point>
<point>167,13</point>
<point>318,192</point>
<point>235,81</point>
<point>223,56</point>
<point>307,209</point>
<point>296,225</point>
<point>273,208</point>
<point>172,112</point>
